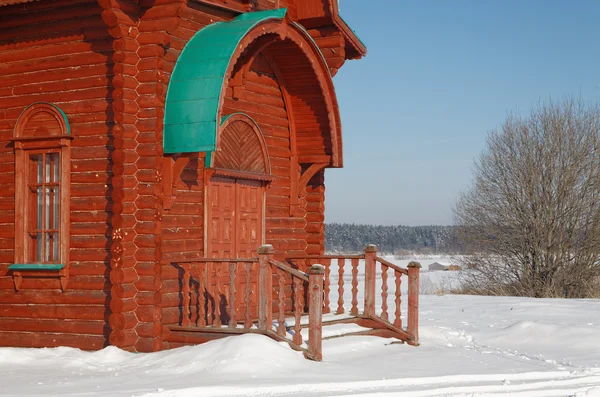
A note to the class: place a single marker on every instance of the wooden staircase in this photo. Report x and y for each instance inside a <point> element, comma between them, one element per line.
<point>292,301</point>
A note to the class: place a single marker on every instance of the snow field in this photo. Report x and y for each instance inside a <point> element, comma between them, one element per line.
<point>470,346</point>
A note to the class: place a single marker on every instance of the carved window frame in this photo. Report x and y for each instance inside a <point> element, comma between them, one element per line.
<point>25,146</point>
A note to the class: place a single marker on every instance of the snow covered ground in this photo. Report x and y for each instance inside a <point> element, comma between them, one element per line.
<point>470,346</point>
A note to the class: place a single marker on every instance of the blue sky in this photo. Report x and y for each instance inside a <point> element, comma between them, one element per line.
<point>437,77</point>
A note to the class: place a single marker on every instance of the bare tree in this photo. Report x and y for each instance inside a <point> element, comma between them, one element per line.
<point>531,219</point>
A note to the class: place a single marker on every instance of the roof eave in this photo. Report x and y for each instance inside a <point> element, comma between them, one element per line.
<point>360,49</point>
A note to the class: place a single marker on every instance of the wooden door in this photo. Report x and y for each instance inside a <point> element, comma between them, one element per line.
<point>234,230</point>
<point>235,218</point>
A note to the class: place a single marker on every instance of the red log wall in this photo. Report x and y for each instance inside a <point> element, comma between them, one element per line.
<point>68,64</point>
<point>107,66</point>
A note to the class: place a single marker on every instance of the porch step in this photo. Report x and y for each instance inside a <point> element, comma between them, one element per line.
<point>340,325</point>
<point>339,330</point>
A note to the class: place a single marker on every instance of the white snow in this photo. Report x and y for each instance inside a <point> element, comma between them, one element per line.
<point>470,346</point>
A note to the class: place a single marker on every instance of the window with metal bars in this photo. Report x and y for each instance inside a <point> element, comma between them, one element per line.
<point>44,207</point>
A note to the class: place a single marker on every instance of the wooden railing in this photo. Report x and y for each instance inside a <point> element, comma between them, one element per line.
<point>218,292</point>
<point>233,296</point>
<point>390,313</point>
<point>242,295</point>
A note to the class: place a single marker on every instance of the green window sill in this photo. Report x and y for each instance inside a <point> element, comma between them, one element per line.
<point>36,266</point>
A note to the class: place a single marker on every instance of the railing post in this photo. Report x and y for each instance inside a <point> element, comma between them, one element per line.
<point>265,287</point>
<point>370,277</point>
<point>316,276</point>
<point>414,269</point>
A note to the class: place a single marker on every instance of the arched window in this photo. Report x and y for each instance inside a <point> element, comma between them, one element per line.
<point>42,180</point>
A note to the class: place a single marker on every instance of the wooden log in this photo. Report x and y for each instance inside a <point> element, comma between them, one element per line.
<point>148,345</point>
<point>88,327</point>
<point>118,305</point>
<point>148,330</point>
<point>32,297</point>
<point>79,312</point>
<point>39,339</point>
<point>124,339</point>
<point>122,320</point>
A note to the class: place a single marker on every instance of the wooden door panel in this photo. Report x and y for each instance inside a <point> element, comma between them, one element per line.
<point>251,219</point>
<point>222,219</point>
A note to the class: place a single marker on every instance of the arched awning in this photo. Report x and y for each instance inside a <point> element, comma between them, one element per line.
<point>202,72</point>
<point>192,105</point>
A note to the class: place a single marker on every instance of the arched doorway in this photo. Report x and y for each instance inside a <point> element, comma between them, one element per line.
<point>236,181</point>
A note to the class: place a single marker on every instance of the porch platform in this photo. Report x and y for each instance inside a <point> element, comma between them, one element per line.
<point>292,300</point>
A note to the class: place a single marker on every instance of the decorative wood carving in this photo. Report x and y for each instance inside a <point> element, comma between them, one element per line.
<point>172,168</point>
<point>62,275</point>
<point>300,179</point>
<point>241,146</point>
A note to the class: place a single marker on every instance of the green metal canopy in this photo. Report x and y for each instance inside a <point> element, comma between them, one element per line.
<point>192,105</point>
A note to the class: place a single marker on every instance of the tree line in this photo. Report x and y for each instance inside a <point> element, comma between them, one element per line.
<point>349,238</point>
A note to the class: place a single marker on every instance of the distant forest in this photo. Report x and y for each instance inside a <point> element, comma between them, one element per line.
<point>347,238</point>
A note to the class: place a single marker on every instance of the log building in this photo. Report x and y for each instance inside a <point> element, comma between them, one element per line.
<point>141,138</point>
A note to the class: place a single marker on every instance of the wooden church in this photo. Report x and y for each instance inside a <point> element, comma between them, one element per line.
<point>162,176</point>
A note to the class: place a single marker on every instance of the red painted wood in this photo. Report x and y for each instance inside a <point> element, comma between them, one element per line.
<point>232,291</point>
<point>398,299</point>
<point>354,309</point>
<point>281,302</point>
<point>107,65</point>
<point>384,293</point>
<point>316,275</point>
<point>340,309</point>
<point>327,286</point>
<point>370,278</point>
<point>298,309</point>
<point>186,295</point>
<point>265,287</point>
<point>235,217</point>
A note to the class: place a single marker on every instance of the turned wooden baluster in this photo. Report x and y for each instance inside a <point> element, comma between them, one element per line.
<point>194,294</point>
<point>341,263</point>
<point>232,269</point>
<point>354,309</point>
<point>217,294</point>
<point>398,301</point>
<point>247,291</point>
<point>298,309</point>
<point>202,295</point>
<point>210,294</point>
<point>281,303</point>
<point>185,290</point>
<point>384,293</point>
<point>327,286</point>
